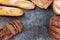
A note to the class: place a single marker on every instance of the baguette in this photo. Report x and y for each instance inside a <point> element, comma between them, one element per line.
<point>10,11</point>
<point>25,4</point>
<point>20,3</point>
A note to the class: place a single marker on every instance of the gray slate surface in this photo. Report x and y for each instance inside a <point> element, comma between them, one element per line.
<point>35,24</point>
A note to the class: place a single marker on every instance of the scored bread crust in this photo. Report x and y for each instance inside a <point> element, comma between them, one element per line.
<point>42,3</point>
<point>18,25</point>
<point>16,29</point>
<point>10,11</point>
<point>56,30</point>
<point>14,26</point>
<point>52,35</point>
<point>55,35</point>
<point>11,28</point>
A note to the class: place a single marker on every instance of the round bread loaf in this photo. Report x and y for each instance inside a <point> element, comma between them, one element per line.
<point>54,28</point>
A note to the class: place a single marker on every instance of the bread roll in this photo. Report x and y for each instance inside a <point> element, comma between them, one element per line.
<point>10,11</point>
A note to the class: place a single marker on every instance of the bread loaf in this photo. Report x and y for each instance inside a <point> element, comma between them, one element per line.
<point>10,29</point>
<point>10,11</point>
<point>54,28</point>
<point>25,4</point>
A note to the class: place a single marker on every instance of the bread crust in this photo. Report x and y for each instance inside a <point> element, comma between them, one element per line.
<point>10,29</point>
<point>42,3</point>
<point>53,35</point>
<point>10,11</point>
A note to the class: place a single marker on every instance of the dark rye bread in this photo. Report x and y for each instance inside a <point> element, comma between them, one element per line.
<point>42,3</point>
<point>50,31</point>
<point>54,27</point>
<point>5,34</point>
<point>10,29</point>
<point>52,36</point>
<point>55,21</point>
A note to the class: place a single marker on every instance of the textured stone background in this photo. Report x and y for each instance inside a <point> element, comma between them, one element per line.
<point>35,24</point>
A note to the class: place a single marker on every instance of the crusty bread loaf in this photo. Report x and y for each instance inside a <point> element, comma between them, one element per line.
<point>20,3</point>
<point>10,11</point>
<point>54,28</point>
<point>10,29</point>
<point>42,3</point>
